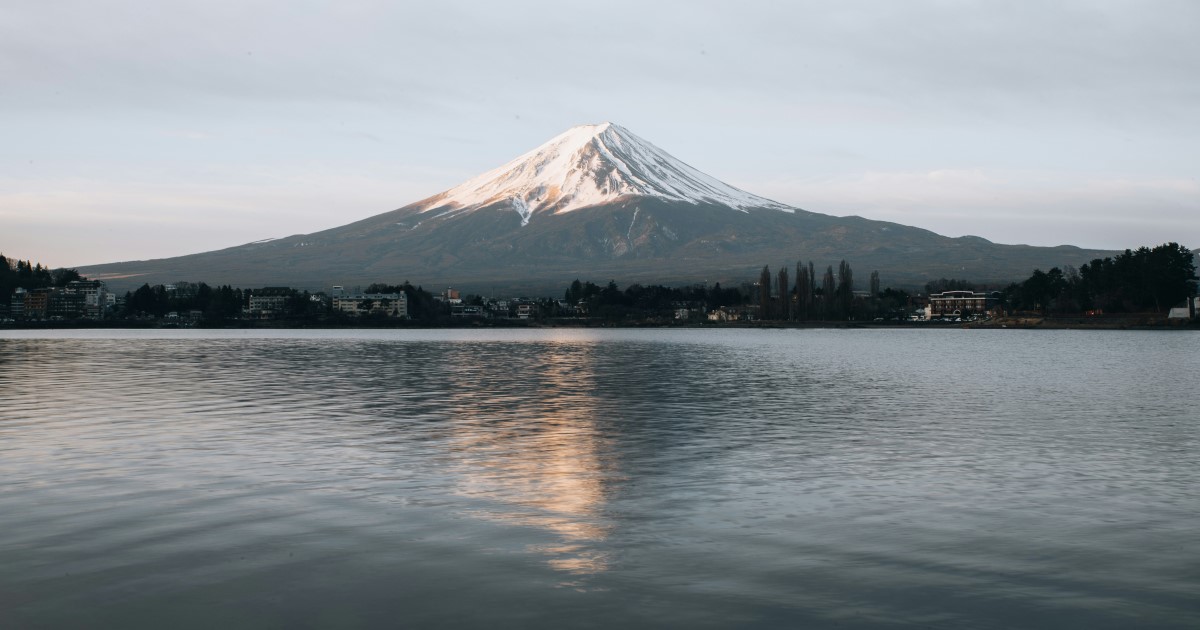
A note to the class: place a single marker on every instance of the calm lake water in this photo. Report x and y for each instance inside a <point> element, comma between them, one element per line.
<point>588,478</point>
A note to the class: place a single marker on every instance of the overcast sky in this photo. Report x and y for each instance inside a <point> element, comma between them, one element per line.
<point>145,129</point>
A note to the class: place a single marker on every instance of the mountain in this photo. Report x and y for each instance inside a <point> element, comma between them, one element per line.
<point>596,202</point>
<point>591,165</point>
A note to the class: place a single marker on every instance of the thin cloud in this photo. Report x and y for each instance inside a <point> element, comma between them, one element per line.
<point>1027,110</point>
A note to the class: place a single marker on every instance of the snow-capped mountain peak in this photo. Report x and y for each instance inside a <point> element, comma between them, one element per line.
<point>591,165</point>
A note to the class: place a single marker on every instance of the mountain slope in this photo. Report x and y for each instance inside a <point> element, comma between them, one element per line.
<point>596,202</point>
<point>591,165</point>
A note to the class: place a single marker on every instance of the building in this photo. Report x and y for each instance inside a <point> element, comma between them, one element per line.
<point>36,303</point>
<point>451,296</point>
<point>267,302</point>
<point>95,296</point>
<point>64,304</point>
<point>266,306</point>
<point>389,304</point>
<point>1190,307</point>
<point>960,303</point>
<point>467,310</point>
<point>16,305</point>
<point>725,314</point>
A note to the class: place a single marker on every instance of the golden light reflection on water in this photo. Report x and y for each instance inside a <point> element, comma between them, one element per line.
<point>538,460</point>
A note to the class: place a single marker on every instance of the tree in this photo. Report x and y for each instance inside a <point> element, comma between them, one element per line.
<point>941,285</point>
<point>784,311</point>
<point>1143,279</point>
<point>717,297</point>
<point>873,300</point>
<point>895,303</point>
<point>1171,273</point>
<point>764,293</point>
<point>1044,291</point>
<point>63,277</point>
<point>827,294</point>
<point>24,274</point>
<point>804,292</point>
<point>845,289</point>
<point>574,293</point>
<point>421,305</point>
<point>225,303</point>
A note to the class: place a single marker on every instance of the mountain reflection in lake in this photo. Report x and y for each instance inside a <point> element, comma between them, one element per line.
<point>535,455</point>
<point>678,478</point>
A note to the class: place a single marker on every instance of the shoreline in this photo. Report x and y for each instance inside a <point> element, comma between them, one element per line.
<point>1137,322</point>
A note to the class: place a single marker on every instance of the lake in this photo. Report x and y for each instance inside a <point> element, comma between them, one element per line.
<point>599,478</point>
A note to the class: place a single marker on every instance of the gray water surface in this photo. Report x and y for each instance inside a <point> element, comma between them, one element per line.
<point>613,478</point>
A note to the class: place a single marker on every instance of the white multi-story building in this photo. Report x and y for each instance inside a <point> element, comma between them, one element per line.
<point>266,305</point>
<point>390,304</point>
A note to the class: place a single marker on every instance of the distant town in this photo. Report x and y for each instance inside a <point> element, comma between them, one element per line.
<point>1147,286</point>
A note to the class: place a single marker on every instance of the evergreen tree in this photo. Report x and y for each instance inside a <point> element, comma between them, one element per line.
<point>804,293</point>
<point>845,290</point>
<point>574,292</point>
<point>827,294</point>
<point>764,293</point>
<point>784,310</point>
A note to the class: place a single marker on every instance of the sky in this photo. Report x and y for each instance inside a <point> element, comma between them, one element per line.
<point>134,130</point>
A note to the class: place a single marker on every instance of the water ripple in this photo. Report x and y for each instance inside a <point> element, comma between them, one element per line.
<point>575,477</point>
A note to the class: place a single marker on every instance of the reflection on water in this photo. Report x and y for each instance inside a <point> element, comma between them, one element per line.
<point>988,479</point>
<point>539,460</point>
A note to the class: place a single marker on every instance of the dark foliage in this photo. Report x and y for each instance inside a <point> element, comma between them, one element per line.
<point>647,302</point>
<point>24,274</point>
<point>421,305</point>
<point>941,285</point>
<point>1145,279</point>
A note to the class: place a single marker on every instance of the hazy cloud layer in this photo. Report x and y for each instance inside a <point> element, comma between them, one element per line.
<point>138,129</point>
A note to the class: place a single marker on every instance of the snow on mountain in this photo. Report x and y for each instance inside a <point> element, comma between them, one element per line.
<point>587,166</point>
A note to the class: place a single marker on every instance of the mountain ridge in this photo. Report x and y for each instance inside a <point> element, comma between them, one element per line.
<point>595,202</point>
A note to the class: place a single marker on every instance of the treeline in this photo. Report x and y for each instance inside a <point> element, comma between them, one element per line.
<point>215,303</point>
<point>221,303</point>
<point>421,305</point>
<point>1141,280</point>
<point>24,274</point>
<point>831,297</point>
<point>941,285</point>
<point>648,301</point>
